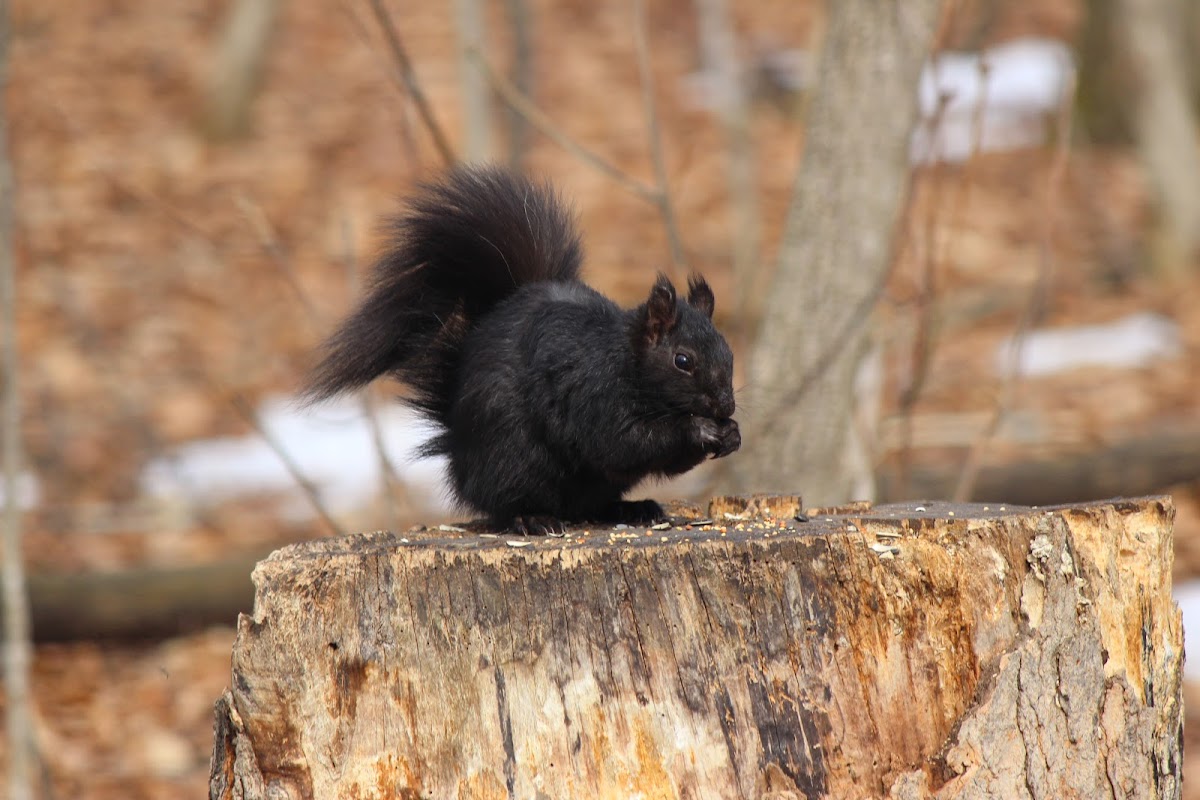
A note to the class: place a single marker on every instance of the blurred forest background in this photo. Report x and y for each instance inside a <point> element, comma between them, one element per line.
<point>197,192</point>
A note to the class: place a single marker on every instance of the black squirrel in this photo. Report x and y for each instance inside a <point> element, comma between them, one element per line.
<point>551,401</point>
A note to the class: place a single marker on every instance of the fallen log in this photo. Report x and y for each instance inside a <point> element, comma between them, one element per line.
<point>1144,463</point>
<point>902,651</point>
<point>147,603</point>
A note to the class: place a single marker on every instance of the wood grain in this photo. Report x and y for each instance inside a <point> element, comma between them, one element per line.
<point>902,651</point>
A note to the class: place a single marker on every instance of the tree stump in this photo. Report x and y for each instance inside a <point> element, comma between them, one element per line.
<point>904,651</point>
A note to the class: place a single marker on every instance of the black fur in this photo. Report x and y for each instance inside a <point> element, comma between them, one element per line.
<point>551,400</point>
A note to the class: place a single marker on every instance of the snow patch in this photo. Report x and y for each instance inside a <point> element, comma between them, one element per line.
<point>1019,84</point>
<point>1132,341</point>
<point>331,446</point>
<point>1187,595</point>
<point>28,491</point>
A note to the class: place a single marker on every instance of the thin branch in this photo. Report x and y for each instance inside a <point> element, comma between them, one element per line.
<point>393,486</point>
<point>924,343</point>
<point>17,650</point>
<point>404,112</point>
<point>718,43</point>
<point>269,240</point>
<point>409,78</point>
<point>164,207</point>
<point>521,104</point>
<point>1032,309</point>
<point>665,206</point>
<point>247,413</point>
<point>89,339</point>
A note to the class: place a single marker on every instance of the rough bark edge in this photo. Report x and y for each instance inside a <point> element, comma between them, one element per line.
<point>233,772</point>
<point>1114,716</point>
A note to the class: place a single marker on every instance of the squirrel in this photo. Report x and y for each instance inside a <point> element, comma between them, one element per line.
<point>550,400</point>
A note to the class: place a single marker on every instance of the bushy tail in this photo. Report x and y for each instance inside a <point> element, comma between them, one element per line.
<point>461,246</point>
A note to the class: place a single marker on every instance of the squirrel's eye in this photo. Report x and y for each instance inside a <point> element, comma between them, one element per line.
<point>683,361</point>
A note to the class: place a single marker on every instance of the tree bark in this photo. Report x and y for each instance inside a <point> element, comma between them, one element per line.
<point>1164,122</point>
<point>470,22</point>
<point>901,651</point>
<point>835,254</point>
<point>18,656</point>
<point>237,73</point>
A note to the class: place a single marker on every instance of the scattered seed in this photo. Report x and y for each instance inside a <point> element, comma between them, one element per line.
<point>513,543</point>
<point>453,528</point>
<point>885,550</point>
<point>662,526</point>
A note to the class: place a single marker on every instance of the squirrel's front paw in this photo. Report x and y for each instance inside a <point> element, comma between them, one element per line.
<point>717,438</point>
<point>729,439</point>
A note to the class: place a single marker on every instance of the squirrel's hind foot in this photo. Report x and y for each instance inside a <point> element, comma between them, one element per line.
<point>537,525</point>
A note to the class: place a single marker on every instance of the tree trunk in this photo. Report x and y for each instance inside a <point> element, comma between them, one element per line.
<point>469,22</point>
<point>238,70</point>
<point>902,651</point>
<point>1165,123</point>
<point>835,254</point>
<point>22,753</point>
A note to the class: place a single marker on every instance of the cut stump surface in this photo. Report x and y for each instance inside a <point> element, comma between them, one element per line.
<point>905,651</point>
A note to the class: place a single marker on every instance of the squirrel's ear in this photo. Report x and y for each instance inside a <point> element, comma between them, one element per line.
<point>659,313</point>
<point>700,296</point>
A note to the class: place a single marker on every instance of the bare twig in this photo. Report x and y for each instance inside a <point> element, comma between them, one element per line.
<point>17,647</point>
<point>409,78</point>
<point>924,343</point>
<point>247,413</point>
<point>650,108</point>
<point>393,487</point>
<point>273,247</point>
<point>718,43</point>
<point>925,299</point>
<point>269,240</point>
<point>1033,308</point>
<point>90,340</point>
<point>164,207</point>
<point>362,30</point>
<point>523,106</point>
